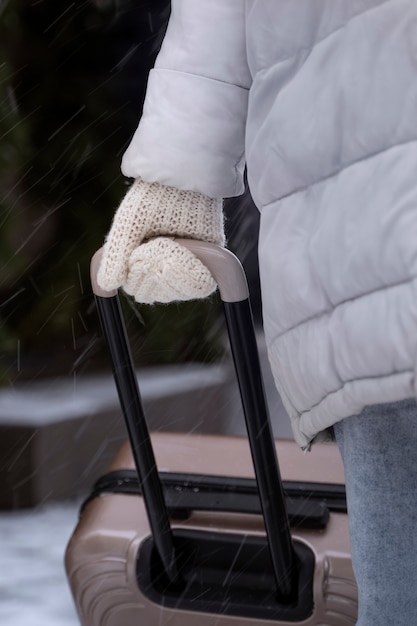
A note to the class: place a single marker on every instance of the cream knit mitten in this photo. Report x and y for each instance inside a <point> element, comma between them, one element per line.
<point>139,253</point>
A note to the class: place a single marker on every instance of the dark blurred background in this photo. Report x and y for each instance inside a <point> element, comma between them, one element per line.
<point>72,83</point>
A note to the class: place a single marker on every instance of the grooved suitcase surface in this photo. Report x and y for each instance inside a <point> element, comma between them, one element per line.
<point>102,554</point>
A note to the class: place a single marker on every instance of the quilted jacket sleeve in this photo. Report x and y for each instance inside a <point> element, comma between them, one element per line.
<point>192,131</point>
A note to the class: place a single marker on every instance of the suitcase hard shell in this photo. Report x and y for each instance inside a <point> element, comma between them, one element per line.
<point>202,541</point>
<point>102,555</point>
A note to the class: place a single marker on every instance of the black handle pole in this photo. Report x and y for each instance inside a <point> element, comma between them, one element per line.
<point>114,330</point>
<point>271,494</point>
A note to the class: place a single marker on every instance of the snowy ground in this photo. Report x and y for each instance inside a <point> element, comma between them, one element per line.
<point>33,587</point>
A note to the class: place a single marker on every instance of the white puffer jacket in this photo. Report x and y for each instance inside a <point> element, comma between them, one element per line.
<point>319,98</point>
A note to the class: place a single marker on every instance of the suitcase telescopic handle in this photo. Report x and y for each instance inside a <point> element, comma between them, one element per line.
<point>231,281</point>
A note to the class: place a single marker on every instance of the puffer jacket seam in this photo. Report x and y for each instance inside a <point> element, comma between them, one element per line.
<point>340,170</point>
<point>353,380</point>
<point>304,49</point>
<point>202,77</point>
<point>339,304</point>
<point>237,173</point>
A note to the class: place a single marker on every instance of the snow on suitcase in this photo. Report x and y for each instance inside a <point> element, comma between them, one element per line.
<point>206,539</point>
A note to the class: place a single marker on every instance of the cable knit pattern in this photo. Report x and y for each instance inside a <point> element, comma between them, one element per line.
<point>160,270</point>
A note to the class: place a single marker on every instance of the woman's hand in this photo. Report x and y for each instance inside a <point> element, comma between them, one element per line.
<point>140,254</point>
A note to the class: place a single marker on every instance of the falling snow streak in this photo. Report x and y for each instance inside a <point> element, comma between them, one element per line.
<point>82,356</point>
<point>133,306</point>
<point>70,119</point>
<point>125,58</point>
<point>82,321</point>
<point>12,297</point>
<point>39,224</point>
<point>59,18</point>
<point>12,190</point>
<point>51,315</point>
<point>57,295</point>
<point>74,342</point>
<point>80,279</point>
<point>19,122</point>
<point>106,188</point>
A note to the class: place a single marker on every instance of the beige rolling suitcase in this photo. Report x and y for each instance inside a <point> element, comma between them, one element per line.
<point>202,530</point>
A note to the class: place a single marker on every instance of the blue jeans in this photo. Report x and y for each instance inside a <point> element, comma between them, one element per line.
<point>379,450</point>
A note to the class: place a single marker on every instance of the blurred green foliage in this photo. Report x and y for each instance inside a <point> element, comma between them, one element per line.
<point>72,82</point>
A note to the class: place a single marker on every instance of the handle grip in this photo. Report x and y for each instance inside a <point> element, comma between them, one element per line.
<point>224,266</point>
